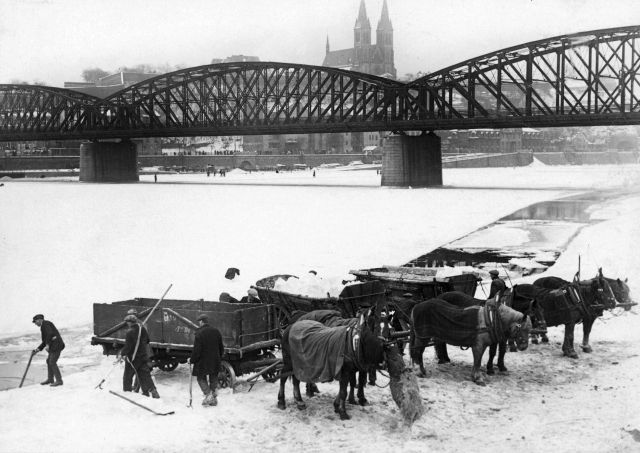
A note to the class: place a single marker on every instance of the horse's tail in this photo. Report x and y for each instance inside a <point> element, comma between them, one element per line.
<point>413,353</point>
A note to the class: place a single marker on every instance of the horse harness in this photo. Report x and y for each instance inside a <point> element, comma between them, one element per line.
<point>492,324</point>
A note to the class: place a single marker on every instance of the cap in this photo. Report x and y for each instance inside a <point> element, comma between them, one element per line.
<point>132,311</point>
<point>231,273</point>
<point>253,292</point>
<point>36,317</point>
<point>202,317</point>
<point>131,318</point>
<point>493,272</point>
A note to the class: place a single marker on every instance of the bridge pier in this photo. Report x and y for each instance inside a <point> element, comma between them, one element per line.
<point>412,160</point>
<point>108,162</point>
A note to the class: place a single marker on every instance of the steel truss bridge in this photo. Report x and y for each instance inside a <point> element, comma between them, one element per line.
<point>583,79</point>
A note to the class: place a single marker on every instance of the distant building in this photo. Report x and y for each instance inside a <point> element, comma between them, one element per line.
<point>234,59</point>
<point>364,56</point>
<point>107,85</point>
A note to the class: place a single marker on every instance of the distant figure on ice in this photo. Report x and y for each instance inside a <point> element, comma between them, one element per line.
<point>52,341</point>
<point>136,356</point>
<point>206,357</point>
<point>497,284</point>
<point>155,177</point>
<point>314,173</point>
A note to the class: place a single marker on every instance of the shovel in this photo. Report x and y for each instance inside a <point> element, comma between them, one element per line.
<point>28,365</point>
<point>190,388</point>
<point>251,380</point>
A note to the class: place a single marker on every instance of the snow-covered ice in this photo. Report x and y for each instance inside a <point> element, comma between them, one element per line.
<point>65,245</point>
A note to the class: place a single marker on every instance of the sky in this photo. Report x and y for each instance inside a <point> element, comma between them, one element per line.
<point>53,41</point>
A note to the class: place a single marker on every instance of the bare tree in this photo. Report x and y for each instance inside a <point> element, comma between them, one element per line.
<point>93,74</point>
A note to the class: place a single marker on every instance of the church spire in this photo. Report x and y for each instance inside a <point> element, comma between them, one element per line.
<point>362,28</point>
<point>327,43</point>
<point>385,22</point>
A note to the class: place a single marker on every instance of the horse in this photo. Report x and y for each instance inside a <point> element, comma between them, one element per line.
<point>313,352</point>
<point>333,318</point>
<point>476,327</point>
<point>568,303</point>
<point>516,298</point>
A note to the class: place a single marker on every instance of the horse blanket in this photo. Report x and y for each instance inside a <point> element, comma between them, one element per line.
<point>329,318</point>
<point>560,306</point>
<point>436,318</point>
<point>318,352</point>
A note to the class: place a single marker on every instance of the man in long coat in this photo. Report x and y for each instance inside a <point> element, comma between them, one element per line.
<point>136,357</point>
<point>206,357</point>
<point>497,284</point>
<point>51,340</point>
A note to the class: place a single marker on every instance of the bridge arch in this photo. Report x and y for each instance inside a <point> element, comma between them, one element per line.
<point>48,112</point>
<point>549,82</point>
<point>253,98</point>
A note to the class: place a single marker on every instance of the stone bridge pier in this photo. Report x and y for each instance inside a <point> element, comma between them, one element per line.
<point>109,162</point>
<point>412,160</point>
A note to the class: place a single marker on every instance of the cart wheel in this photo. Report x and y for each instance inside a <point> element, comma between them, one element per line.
<point>168,365</point>
<point>282,319</point>
<point>226,376</point>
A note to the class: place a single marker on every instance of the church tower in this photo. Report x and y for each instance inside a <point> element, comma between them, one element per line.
<point>384,43</point>
<point>362,39</point>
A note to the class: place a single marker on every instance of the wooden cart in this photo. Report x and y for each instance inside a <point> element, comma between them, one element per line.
<point>351,300</point>
<point>248,331</point>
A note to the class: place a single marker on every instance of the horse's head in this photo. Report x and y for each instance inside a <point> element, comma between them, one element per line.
<point>621,292</point>
<point>603,293</point>
<point>519,331</point>
<point>536,313</point>
<point>373,346</point>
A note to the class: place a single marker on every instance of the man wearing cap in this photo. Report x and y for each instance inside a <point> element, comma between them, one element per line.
<point>251,297</point>
<point>497,284</point>
<point>136,357</point>
<point>206,357</point>
<point>52,341</point>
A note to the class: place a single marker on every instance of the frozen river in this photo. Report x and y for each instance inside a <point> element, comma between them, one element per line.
<point>65,245</point>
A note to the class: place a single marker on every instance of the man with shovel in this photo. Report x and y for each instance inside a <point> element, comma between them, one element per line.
<point>52,341</point>
<point>206,357</point>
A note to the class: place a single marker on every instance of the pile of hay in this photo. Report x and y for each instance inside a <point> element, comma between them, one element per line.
<point>404,388</point>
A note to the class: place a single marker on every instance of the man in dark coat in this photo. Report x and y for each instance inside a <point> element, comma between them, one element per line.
<point>497,284</point>
<point>136,358</point>
<point>51,340</point>
<point>206,357</point>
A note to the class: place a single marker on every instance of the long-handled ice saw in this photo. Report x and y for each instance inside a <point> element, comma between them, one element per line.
<point>28,365</point>
<point>140,405</point>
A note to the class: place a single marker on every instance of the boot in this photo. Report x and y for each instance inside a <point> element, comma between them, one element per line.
<point>47,382</point>
<point>207,399</point>
<point>214,400</point>
<point>55,384</point>
<point>154,394</point>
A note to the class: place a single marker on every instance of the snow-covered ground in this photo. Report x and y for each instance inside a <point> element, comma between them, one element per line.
<point>64,246</point>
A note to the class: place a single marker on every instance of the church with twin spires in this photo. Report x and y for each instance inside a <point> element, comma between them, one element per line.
<point>376,59</point>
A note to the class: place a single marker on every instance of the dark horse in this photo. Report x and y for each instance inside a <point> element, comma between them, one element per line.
<point>568,303</point>
<point>476,327</point>
<point>313,352</point>
<point>333,318</point>
<point>516,298</point>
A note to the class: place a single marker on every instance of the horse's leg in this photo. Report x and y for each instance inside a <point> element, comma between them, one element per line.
<point>512,345</point>
<point>297,396</point>
<point>371,373</point>
<point>362,378</point>
<point>352,387</point>
<point>311,389</point>
<point>441,352</point>
<point>567,345</point>
<point>492,354</point>
<point>478,350</point>
<point>281,399</point>
<point>339,404</point>
<point>502,350</point>
<point>587,324</point>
